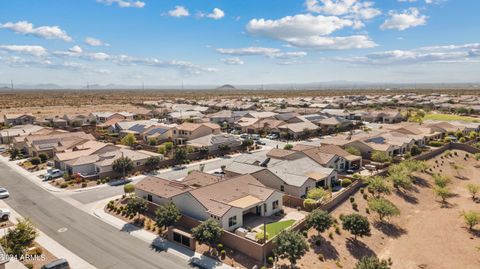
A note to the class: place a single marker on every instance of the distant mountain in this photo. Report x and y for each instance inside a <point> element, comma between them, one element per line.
<point>226,87</point>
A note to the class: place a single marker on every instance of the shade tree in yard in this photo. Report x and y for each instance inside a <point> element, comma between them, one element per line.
<point>290,245</point>
<point>167,215</point>
<point>320,220</point>
<point>383,207</point>
<point>208,232</point>
<point>356,224</point>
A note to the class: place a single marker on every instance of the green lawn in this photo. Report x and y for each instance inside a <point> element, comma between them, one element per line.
<point>276,227</point>
<point>449,117</point>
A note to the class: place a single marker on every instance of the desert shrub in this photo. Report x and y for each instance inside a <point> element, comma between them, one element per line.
<point>435,143</point>
<point>35,161</point>
<point>29,265</point>
<point>43,157</point>
<point>309,204</point>
<point>64,185</point>
<point>270,260</point>
<point>84,184</point>
<point>346,182</point>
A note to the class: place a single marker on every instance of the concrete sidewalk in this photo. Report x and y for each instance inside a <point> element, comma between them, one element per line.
<point>51,245</point>
<point>187,254</point>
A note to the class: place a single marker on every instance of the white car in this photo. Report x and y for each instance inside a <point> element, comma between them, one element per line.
<point>4,214</point>
<point>53,173</point>
<point>4,193</point>
<point>272,136</point>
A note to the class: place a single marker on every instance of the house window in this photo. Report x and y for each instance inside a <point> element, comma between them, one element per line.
<point>275,205</point>
<point>282,188</point>
<point>149,197</point>
<point>232,221</point>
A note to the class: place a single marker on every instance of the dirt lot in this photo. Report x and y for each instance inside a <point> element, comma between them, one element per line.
<point>426,235</point>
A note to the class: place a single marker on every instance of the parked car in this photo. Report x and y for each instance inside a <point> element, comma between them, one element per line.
<point>179,167</point>
<point>255,137</point>
<point>53,173</point>
<point>260,142</point>
<point>2,149</point>
<point>4,214</point>
<point>244,136</point>
<point>4,193</point>
<point>57,264</point>
<point>272,136</point>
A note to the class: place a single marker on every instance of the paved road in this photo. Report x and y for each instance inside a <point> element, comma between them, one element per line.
<point>91,239</point>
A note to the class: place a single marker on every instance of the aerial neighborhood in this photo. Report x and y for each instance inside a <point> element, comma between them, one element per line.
<point>237,175</point>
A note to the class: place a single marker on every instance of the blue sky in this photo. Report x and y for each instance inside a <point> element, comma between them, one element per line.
<point>166,42</point>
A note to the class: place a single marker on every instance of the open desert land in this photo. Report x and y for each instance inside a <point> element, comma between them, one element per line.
<point>427,234</point>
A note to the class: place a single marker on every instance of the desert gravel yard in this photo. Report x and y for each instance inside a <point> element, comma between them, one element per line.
<point>428,234</point>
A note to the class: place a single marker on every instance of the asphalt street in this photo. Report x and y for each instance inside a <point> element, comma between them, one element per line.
<point>97,242</point>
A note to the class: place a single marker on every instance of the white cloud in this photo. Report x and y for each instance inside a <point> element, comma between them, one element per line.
<point>350,8</point>
<point>216,14</point>
<point>333,43</point>
<point>94,42</point>
<point>301,25</point>
<point>25,49</point>
<point>75,49</point>
<point>309,31</point>
<point>426,1</point>
<point>27,28</point>
<point>442,54</point>
<point>123,3</point>
<point>262,51</point>
<point>178,12</point>
<point>232,61</point>
<point>402,21</point>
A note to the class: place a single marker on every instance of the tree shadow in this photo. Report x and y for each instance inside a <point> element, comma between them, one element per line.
<point>407,197</point>
<point>128,228</point>
<point>474,232</point>
<point>358,249</point>
<point>421,182</point>
<point>389,229</point>
<point>326,248</point>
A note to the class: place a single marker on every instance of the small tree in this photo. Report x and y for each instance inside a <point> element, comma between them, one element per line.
<point>18,239</point>
<point>319,194</point>
<point>372,263</point>
<point>224,147</point>
<point>128,188</point>
<point>161,149</point>
<point>383,207</point>
<point>443,192</point>
<point>356,224</point>
<point>381,157</point>
<point>441,181</point>
<point>43,157</point>
<point>247,143</point>
<point>320,220</point>
<point>473,189</point>
<point>35,161</point>
<point>288,146</point>
<point>208,232</point>
<point>378,185</point>
<point>14,153</point>
<point>204,150</point>
<point>129,140</point>
<point>400,180</point>
<point>167,215</point>
<point>290,245</point>
<point>152,162</point>
<point>123,165</point>
<point>180,155</point>
<point>353,151</point>
<point>152,141</point>
<point>471,218</point>
<point>136,206</point>
<point>168,146</point>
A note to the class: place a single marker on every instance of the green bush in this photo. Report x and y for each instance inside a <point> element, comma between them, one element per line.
<point>43,157</point>
<point>35,161</point>
<point>270,260</point>
<point>84,184</point>
<point>346,182</point>
<point>29,265</point>
<point>309,204</point>
<point>64,185</point>
<point>288,146</point>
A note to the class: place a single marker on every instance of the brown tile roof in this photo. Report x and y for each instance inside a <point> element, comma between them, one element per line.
<point>219,198</point>
<point>319,156</point>
<point>279,153</point>
<point>198,179</point>
<point>162,187</point>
